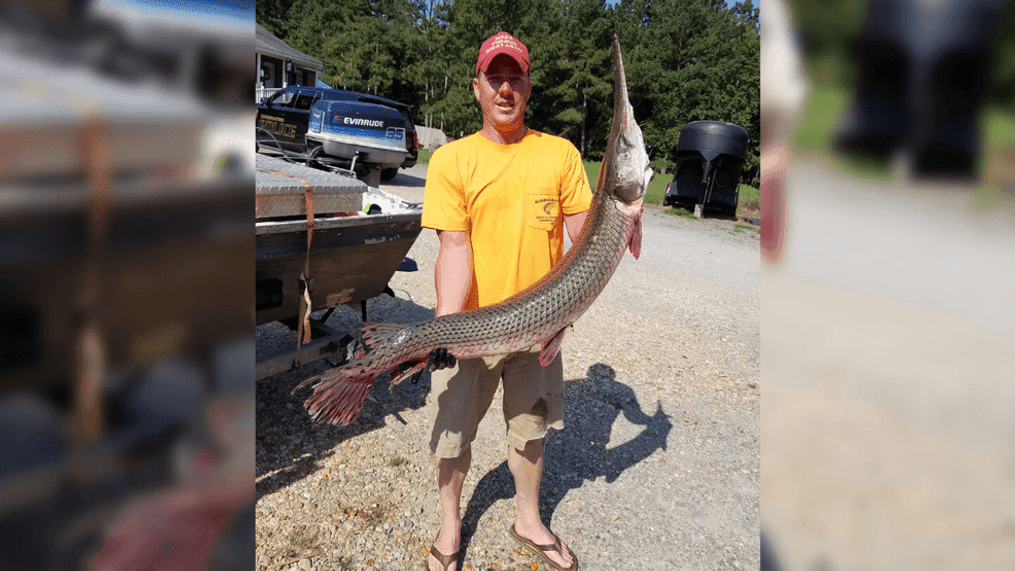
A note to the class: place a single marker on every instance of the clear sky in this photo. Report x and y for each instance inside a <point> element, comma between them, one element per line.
<point>225,15</point>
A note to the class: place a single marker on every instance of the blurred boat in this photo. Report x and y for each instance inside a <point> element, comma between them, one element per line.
<point>358,239</point>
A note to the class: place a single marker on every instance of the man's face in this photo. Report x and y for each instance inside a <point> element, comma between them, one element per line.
<point>502,91</point>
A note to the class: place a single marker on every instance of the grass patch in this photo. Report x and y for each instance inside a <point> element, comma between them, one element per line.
<point>424,156</point>
<point>815,132</point>
<point>815,136</point>
<point>998,157</point>
<point>750,198</point>
<point>746,228</point>
<point>397,461</point>
<point>999,127</point>
<point>592,172</point>
<point>657,188</point>
<point>681,212</point>
<point>816,128</point>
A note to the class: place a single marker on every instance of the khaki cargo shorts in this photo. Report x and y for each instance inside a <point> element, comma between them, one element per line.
<point>461,395</point>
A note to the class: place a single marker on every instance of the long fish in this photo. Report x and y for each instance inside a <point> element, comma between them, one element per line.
<point>540,313</point>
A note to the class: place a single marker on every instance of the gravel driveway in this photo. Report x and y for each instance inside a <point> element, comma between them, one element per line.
<point>889,328</point>
<point>657,468</point>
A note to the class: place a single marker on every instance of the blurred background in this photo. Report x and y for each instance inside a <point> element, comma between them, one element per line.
<point>888,235</point>
<point>930,84</point>
<point>126,285</point>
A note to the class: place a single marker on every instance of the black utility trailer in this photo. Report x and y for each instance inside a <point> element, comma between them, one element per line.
<point>710,155</point>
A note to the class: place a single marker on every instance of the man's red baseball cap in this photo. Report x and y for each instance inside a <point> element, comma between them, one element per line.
<point>502,43</point>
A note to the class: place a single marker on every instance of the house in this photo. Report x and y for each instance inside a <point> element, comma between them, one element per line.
<point>280,65</point>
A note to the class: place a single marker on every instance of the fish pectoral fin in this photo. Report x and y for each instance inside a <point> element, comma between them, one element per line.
<point>406,370</point>
<point>550,348</point>
<point>635,244</point>
<point>377,333</point>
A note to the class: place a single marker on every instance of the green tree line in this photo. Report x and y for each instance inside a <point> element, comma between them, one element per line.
<point>686,60</point>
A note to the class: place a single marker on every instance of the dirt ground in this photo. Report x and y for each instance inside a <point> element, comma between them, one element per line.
<point>657,467</point>
<point>888,426</point>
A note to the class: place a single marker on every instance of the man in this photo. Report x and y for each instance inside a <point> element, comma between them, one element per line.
<point>499,201</point>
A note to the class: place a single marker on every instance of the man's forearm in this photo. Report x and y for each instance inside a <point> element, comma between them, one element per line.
<point>453,272</point>
<point>573,223</point>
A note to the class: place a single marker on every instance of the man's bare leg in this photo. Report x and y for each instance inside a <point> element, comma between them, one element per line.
<point>450,479</point>
<point>527,468</point>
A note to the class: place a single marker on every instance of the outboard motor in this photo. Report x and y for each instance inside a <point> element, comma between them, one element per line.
<point>710,155</point>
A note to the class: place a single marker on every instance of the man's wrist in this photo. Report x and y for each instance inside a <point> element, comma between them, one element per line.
<point>445,311</point>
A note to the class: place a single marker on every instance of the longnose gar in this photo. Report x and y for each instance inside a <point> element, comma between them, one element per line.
<point>538,314</point>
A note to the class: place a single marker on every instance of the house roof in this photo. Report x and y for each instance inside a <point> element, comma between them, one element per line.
<point>266,42</point>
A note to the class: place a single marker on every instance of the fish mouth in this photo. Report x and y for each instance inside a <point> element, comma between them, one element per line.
<point>625,172</point>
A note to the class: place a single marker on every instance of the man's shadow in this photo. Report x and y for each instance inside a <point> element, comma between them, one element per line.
<point>578,453</point>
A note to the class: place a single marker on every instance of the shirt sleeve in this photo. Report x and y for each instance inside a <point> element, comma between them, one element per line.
<point>444,197</point>
<point>575,194</point>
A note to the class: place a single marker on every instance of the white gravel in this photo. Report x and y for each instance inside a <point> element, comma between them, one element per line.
<point>657,468</point>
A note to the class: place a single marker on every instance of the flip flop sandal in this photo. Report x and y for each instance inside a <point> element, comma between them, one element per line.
<point>445,560</point>
<point>540,550</point>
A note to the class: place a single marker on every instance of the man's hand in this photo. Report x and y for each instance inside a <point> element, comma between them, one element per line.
<point>440,359</point>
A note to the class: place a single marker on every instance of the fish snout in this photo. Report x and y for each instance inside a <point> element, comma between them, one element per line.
<point>632,170</point>
<point>631,192</point>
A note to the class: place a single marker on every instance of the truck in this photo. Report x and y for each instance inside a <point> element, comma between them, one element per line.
<point>368,135</point>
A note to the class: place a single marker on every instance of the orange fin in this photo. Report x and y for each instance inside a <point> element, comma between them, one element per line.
<point>551,347</point>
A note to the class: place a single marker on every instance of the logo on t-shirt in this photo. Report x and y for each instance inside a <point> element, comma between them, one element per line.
<point>547,209</point>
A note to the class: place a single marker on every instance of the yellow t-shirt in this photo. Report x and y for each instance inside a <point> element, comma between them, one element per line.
<point>509,199</point>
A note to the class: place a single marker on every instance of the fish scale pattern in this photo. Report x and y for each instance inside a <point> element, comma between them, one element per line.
<point>532,316</point>
<point>539,312</point>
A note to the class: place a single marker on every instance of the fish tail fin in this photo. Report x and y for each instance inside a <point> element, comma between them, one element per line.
<point>375,334</point>
<point>635,244</point>
<point>339,394</point>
